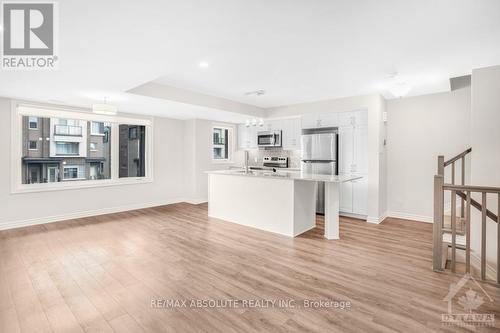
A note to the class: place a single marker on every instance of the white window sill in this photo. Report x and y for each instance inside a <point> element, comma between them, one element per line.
<point>97,134</point>
<point>70,185</point>
<point>223,161</point>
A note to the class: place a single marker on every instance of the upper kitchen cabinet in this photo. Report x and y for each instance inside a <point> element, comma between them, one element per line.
<point>353,149</point>
<point>272,125</point>
<point>360,157</point>
<point>247,137</point>
<point>291,132</point>
<point>353,118</point>
<point>315,120</point>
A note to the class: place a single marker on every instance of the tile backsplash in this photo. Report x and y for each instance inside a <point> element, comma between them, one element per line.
<point>257,156</point>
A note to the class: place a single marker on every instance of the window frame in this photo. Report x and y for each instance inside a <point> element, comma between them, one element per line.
<point>21,108</point>
<point>36,145</point>
<point>77,154</point>
<point>78,171</point>
<point>92,129</point>
<point>29,123</point>
<point>230,144</point>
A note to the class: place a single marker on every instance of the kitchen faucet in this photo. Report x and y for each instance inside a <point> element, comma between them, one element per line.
<point>246,161</point>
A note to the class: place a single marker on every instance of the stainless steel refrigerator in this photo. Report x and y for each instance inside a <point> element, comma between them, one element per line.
<point>320,156</point>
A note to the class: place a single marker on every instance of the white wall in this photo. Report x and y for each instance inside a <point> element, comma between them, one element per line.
<point>168,185</point>
<point>199,140</point>
<point>418,130</point>
<point>485,138</point>
<point>375,105</point>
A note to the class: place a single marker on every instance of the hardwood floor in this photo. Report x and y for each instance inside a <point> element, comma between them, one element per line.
<point>101,274</point>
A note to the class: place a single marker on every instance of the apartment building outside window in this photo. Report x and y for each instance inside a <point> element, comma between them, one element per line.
<point>97,128</point>
<point>221,143</point>
<point>33,123</point>
<point>72,172</point>
<point>132,151</point>
<point>69,149</point>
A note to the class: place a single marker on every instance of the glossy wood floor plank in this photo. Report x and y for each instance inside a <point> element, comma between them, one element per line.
<point>100,274</point>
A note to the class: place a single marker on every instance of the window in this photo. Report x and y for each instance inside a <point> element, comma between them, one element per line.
<point>67,127</point>
<point>97,128</point>
<point>77,149</point>
<point>132,133</point>
<point>33,122</point>
<point>33,174</point>
<point>221,143</point>
<point>67,148</point>
<point>132,151</point>
<point>73,172</point>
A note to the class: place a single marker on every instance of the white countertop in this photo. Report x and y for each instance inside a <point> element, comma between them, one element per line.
<point>290,175</point>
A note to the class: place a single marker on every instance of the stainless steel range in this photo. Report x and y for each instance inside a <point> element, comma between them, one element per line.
<point>275,162</point>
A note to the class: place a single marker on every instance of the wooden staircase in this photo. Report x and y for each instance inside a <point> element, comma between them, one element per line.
<point>451,230</point>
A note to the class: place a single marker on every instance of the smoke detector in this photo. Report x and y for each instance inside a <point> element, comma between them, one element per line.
<point>259,92</point>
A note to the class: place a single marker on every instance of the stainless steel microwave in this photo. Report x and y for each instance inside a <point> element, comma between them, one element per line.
<point>269,139</point>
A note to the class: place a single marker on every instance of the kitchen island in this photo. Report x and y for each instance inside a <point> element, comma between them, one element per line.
<point>281,202</point>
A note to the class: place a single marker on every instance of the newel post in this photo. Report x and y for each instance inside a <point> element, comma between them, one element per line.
<point>437,235</point>
<point>440,168</point>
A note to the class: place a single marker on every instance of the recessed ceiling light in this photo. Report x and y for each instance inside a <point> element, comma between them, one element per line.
<point>259,92</point>
<point>203,64</point>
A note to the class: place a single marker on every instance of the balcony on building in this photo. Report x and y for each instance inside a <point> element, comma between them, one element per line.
<point>68,130</point>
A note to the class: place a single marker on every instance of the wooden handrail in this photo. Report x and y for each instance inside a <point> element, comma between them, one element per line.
<point>463,192</point>
<point>482,189</point>
<point>478,206</point>
<point>456,158</point>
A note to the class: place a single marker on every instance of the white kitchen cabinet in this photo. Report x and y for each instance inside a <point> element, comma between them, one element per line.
<point>360,149</point>
<point>353,118</point>
<point>272,125</point>
<point>291,131</point>
<point>247,137</point>
<point>315,120</point>
<point>354,196</point>
<point>360,196</point>
<point>353,159</point>
<point>345,203</point>
<point>328,119</point>
<point>346,149</point>
<point>361,118</point>
<point>309,120</point>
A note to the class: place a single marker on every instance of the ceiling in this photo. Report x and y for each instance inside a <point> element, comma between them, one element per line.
<point>296,50</point>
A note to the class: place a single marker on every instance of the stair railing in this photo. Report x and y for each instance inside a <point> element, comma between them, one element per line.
<point>464,192</point>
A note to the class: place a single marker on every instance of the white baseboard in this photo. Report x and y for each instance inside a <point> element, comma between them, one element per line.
<point>413,217</point>
<point>383,217</point>
<point>196,201</point>
<point>354,216</point>
<point>376,220</point>
<point>475,261</point>
<point>88,213</point>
